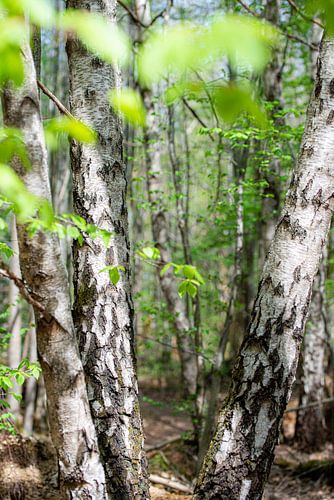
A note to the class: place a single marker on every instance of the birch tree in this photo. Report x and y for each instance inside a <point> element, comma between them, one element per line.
<point>103,311</point>
<point>240,456</point>
<point>160,232</point>
<point>71,426</point>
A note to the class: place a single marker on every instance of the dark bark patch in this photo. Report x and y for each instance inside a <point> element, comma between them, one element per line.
<point>331,88</point>
<point>318,87</point>
<point>330,117</point>
<point>279,290</point>
<point>297,274</point>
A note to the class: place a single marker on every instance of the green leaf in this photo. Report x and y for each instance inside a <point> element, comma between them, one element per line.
<point>129,104</point>
<point>5,382</point>
<point>39,12</point>
<point>16,396</point>
<point>6,250</point>
<point>20,378</point>
<point>231,102</point>
<point>187,47</point>
<point>11,186</point>
<point>114,274</point>
<point>149,253</point>
<point>74,128</point>
<point>101,37</point>
<point>165,268</point>
<point>187,287</point>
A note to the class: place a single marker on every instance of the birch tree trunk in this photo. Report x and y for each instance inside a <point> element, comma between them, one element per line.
<point>240,456</point>
<point>103,312</point>
<point>311,426</point>
<point>273,92</point>
<point>160,231</point>
<point>72,430</point>
<point>31,383</point>
<point>14,348</point>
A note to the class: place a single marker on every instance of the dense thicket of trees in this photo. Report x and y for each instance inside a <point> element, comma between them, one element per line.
<point>167,225</point>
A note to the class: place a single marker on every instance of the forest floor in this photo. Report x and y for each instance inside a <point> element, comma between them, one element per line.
<point>28,468</point>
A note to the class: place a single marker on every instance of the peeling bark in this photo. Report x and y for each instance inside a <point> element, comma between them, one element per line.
<point>72,430</point>
<point>103,312</point>
<point>241,453</point>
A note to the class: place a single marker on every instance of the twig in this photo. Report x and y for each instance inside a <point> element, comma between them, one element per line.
<point>53,98</point>
<point>296,38</point>
<point>311,405</point>
<point>138,21</point>
<point>188,351</point>
<point>198,118</point>
<point>249,10</point>
<point>174,485</point>
<point>162,444</point>
<point>7,273</point>
<point>301,13</point>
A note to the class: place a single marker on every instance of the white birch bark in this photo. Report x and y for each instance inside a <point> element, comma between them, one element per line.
<point>14,348</point>
<point>311,428</point>
<point>31,384</point>
<point>103,312</point>
<point>71,426</point>
<point>240,456</point>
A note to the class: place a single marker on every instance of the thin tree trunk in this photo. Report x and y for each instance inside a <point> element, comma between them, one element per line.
<point>31,384</point>
<point>311,429</point>
<point>72,430</point>
<point>240,456</point>
<point>103,312</point>
<point>273,92</point>
<point>14,348</point>
<point>176,306</point>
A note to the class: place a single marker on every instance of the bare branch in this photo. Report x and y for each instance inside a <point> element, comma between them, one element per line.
<point>55,99</point>
<point>301,13</point>
<point>198,118</point>
<point>7,273</point>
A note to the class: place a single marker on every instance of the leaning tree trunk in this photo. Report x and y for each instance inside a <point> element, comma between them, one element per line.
<point>240,456</point>
<point>103,312</point>
<point>72,429</point>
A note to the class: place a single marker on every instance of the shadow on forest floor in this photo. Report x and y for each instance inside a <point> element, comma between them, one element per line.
<point>28,468</point>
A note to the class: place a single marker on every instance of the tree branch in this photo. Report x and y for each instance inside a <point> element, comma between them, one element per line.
<point>7,273</point>
<point>301,13</point>
<point>53,98</point>
<point>195,115</point>
<point>136,19</point>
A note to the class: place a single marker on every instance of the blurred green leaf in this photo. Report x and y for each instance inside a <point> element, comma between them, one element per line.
<point>231,101</point>
<point>11,186</point>
<point>129,103</point>
<point>65,125</point>
<point>101,37</point>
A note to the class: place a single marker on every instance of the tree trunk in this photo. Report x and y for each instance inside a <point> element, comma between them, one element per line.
<point>240,456</point>
<point>72,430</point>
<point>103,312</point>
<point>273,92</point>
<point>176,306</point>
<point>31,383</point>
<point>311,427</point>
<point>14,348</point>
